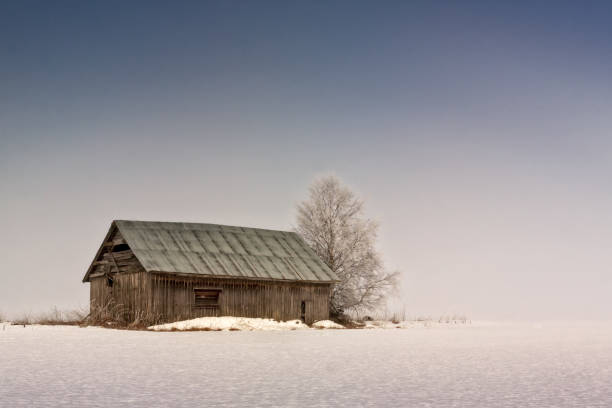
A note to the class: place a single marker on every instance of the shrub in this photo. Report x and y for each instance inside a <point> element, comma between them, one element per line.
<point>24,319</point>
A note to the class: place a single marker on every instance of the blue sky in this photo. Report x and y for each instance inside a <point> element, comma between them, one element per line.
<point>479,134</point>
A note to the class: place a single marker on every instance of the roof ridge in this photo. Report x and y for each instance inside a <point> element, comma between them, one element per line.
<point>201,224</point>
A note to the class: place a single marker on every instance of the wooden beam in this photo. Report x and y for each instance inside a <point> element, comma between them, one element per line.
<point>114,262</point>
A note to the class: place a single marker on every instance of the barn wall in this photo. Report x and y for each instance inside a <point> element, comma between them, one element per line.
<point>167,298</point>
<point>129,296</point>
<point>99,293</point>
<point>173,298</point>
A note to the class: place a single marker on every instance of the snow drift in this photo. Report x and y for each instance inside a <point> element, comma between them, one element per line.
<point>229,323</point>
<point>327,324</point>
<point>249,324</point>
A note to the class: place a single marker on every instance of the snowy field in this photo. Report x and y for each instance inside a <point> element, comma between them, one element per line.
<point>478,365</point>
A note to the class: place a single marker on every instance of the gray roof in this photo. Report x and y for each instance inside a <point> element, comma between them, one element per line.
<point>223,251</point>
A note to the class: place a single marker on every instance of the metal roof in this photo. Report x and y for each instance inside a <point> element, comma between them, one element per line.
<point>223,251</point>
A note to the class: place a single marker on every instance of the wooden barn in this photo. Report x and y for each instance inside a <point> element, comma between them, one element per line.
<point>170,271</point>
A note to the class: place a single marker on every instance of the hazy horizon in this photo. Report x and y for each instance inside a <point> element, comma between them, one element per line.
<point>479,135</point>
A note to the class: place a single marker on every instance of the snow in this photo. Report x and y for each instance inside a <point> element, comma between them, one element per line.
<point>327,324</point>
<point>230,323</point>
<point>240,323</point>
<point>479,365</point>
<point>249,324</point>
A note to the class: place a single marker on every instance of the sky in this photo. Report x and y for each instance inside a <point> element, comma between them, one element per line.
<point>479,135</point>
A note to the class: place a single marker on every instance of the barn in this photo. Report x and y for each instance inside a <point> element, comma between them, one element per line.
<point>170,271</point>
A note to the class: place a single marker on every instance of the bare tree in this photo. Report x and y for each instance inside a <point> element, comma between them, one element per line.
<point>332,223</point>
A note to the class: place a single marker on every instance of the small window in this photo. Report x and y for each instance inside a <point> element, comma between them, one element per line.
<point>206,298</point>
<point>109,281</point>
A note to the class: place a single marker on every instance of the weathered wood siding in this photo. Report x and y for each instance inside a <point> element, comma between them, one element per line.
<point>99,293</point>
<point>129,295</point>
<point>173,298</point>
<point>167,298</point>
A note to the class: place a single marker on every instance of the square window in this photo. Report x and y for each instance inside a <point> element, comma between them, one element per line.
<point>206,298</point>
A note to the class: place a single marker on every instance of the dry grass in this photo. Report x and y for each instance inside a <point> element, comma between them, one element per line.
<point>24,320</point>
<point>397,317</point>
<point>192,329</point>
<point>353,324</point>
<point>453,319</point>
<point>58,317</point>
<point>116,315</point>
<point>52,318</point>
<point>110,315</point>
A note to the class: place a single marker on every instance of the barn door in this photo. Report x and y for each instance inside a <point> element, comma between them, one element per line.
<point>303,311</point>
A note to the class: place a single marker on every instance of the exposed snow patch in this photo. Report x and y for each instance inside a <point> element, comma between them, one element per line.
<point>249,324</point>
<point>327,324</point>
<point>229,323</point>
